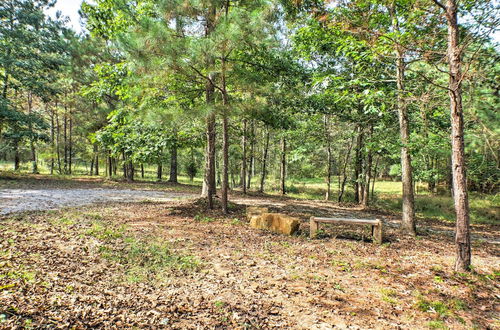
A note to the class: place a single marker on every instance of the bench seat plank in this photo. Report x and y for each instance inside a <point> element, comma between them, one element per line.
<point>373,222</point>
<point>377,225</point>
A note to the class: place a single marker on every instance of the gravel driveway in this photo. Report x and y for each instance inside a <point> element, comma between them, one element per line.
<point>19,200</point>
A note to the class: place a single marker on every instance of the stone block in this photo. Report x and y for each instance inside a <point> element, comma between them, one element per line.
<point>275,222</point>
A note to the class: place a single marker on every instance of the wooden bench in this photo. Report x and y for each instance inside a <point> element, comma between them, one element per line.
<point>376,224</point>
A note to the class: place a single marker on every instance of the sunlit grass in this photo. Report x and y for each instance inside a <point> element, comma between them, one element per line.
<point>484,208</point>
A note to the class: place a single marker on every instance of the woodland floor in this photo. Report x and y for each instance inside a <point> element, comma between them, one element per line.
<point>171,264</point>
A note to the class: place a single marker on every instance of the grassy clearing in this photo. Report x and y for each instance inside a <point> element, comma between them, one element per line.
<point>485,209</point>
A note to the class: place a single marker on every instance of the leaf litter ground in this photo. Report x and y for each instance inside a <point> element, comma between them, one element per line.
<point>174,265</point>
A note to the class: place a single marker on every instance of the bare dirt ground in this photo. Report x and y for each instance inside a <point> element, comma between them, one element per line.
<point>171,264</point>
<point>20,200</point>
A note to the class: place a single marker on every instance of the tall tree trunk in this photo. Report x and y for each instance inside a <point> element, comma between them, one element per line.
<point>329,159</point>
<point>52,140</point>
<point>70,149</point>
<point>209,189</point>
<point>344,171</point>
<point>454,54</point>
<point>225,157</point>
<point>264,162</point>
<point>110,165</point>
<point>142,170</point>
<point>225,134</point>
<point>368,173</point>
<point>244,158</point>
<point>251,165</point>
<point>58,142</point>
<point>65,137</point>
<point>159,171</point>
<point>374,176</point>
<point>96,153</point>
<point>34,165</point>
<point>173,164</point>
<point>283,165</point>
<point>17,158</point>
<point>408,220</point>
<point>125,172</point>
<point>225,162</point>
<point>218,170</point>
<point>358,165</point>
<point>131,171</point>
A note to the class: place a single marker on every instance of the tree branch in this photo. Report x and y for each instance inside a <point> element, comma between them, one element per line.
<point>440,4</point>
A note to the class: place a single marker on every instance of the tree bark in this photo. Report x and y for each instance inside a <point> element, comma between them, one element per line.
<point>329,159</point>
<point>125,172</point>
<point>244,158</point>
<point>34,165</point>
<point>264,162</point>
<point>110,165</point>
<point>65,137</point>
<point>70,149</point>
<point>131,171</point>
<point>374,176</point>
<point>225,134</point>
<point>96,153</point>
<point>173,163</point>
<point>344,171</point>
<point>52,140</point>
<point>91,172</point>
<point>209,189</point>
<point>58,142</point>
<point>408,219</point>
<point>368,172</point>
<point>17,158</point>
<point>225,158</point>
<point>159,171</point>
<point>358,165</point>
<point>460,196</point>
<point>251,165</point>
<point>283,165</point>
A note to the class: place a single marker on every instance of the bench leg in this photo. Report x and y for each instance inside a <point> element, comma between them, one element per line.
<point>378,233</point>
<point>313,228</point>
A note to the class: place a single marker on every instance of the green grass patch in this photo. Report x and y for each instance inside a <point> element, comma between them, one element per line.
<point>436,324</point>
<point>203,218</point>
<point>19,274</point>
<point>145,260</point>
<point>443,309</point>
<point>389,296</point>
<point>105,232</point>
<point>342,265</point>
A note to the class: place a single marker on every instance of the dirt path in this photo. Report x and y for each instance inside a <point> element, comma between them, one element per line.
<point>19,200</point>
